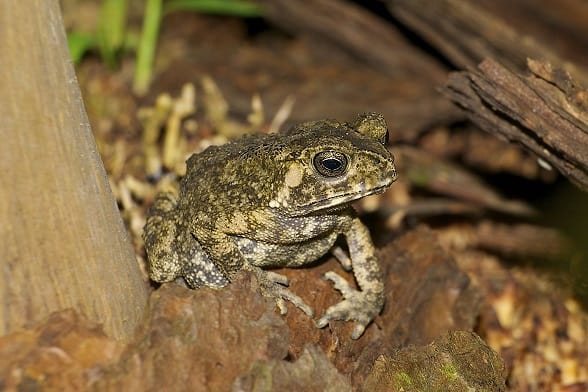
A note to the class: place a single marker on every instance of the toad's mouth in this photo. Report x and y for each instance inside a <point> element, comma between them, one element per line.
<point>340,200</point>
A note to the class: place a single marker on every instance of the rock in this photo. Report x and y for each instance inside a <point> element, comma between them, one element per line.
<point>458,361</point>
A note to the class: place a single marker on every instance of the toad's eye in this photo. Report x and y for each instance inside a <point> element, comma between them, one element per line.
<point>330,163</point>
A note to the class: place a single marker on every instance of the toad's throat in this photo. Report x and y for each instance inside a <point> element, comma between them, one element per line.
<point>340,200</point>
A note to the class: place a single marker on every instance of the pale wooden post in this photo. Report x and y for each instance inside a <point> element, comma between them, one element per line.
<point>62,241</point>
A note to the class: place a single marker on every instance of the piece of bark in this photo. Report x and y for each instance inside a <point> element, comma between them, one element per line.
<point>545,111</point>
<point>206,339</point>
<point>200,340</point>
<point>427,294</point>
<point>466,33</point>
<point>62,241</point>
<point>57,355</point>
<point>190,341</point>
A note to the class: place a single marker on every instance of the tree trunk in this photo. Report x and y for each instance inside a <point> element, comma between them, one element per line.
<point>62,241</point>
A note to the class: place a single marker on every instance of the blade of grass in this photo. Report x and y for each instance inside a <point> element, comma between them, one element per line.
<point>79,44</point>
<point>111,29</point>
<point>242,8</point>
<point>147,46</point>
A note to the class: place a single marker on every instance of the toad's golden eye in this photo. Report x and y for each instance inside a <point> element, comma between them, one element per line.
<point>330,163</point>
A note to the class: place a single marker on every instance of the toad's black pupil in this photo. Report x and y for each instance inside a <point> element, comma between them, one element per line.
<point>332,164</point>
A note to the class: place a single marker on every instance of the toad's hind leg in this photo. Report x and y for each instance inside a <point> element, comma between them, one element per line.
<point>159,235</point>
<point>173,252</point>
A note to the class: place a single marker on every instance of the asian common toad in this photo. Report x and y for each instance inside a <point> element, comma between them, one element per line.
<point>277,200</point>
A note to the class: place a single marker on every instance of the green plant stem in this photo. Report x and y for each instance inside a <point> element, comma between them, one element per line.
<point>112,29</point>
<point>147,46</point>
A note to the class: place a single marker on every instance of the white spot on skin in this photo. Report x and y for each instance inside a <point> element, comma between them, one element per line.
<point>292,179</point>
<point>283,195</point>
<point>294,175</point>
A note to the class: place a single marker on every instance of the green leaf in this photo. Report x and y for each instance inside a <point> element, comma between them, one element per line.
<point>79,44</point>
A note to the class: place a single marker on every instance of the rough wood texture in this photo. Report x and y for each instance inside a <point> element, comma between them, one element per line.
<point>537,103</point>
<point>545,111</point>
<point>62,242</point>
<point>466,33</point>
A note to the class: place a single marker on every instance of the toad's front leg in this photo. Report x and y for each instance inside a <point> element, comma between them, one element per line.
<point>227,257</point>
<point>363,305</point>
<point>275,287</point>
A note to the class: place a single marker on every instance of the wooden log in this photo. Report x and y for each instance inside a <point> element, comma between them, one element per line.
<point>62,241</point>
<point>546,111</point>
<point>537,103</point>
<point>466,33</point>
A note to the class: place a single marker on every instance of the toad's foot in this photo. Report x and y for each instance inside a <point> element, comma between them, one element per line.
<point>359,306</point>
<point>342,257</point>
<point>273,286</point>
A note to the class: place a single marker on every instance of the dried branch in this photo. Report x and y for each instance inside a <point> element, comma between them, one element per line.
<point>466,33</point>
<point>545,111</point>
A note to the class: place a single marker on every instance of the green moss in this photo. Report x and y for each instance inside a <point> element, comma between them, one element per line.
<point>404,379</point>
<point>449,371</point>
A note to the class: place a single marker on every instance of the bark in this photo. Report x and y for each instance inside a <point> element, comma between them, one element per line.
<point>545,111</point>
<point>62,241</point>
<point>466,33</point>
<point>521,91</point>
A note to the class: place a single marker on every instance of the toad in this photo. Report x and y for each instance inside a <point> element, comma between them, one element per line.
<point>278,200</point>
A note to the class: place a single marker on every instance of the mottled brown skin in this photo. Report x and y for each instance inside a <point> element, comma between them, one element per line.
<point>277,200</point>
